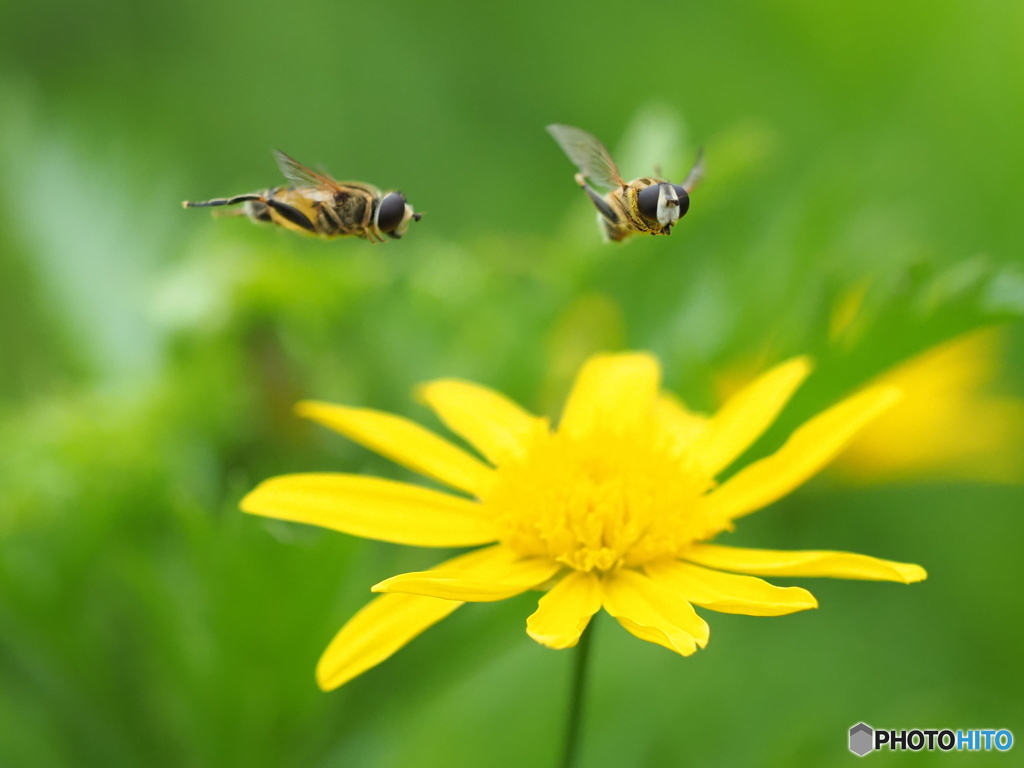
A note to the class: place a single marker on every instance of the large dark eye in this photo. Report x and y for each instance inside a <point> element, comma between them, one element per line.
<point>647,202</point>
<point>391,211</point>
<point>684,200</point>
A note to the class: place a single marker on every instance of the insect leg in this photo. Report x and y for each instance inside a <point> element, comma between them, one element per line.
<point>696,173</point>
<point>599,202</point>
<point>222,213</point>
<point>221,201</point>
<point>294,215</point>
<point>329,215</point>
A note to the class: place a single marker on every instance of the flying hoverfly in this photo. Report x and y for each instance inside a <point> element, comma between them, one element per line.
<point>648,205</point>
<point>316,204</point>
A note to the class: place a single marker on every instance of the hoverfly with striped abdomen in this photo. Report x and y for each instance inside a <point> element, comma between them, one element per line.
<point>648,205</point>
<point>316,204</point>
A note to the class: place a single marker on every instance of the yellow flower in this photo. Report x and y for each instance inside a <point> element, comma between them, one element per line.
<point>615,509</point>
<point>951,425</point>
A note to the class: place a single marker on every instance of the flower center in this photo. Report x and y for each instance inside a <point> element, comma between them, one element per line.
<point>600,502</point>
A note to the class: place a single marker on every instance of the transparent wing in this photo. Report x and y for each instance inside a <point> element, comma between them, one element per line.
<point>588,154</point>
<point>300,175</point>
<point>696,173</point>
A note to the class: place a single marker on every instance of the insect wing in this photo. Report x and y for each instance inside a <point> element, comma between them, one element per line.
<point>299,175</point>
<point>588,154</point>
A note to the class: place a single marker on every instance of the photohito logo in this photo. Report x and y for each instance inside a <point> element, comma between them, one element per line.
<point>864,739</point>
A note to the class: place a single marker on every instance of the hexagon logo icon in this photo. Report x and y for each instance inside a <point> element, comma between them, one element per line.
<point>862,739</point>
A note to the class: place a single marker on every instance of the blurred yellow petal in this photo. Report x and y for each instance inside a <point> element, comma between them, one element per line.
<point>376,632</point>
<point>769,562</point>
<point>612,392</point>
<point>808,449</point>
<point>491,574</point>
<point>729,592</point>
<point>374,508</point>
<point>564,612</point>
<point>404,442</point>
<point>681,426</point>
<point>496,426</point>
<point>748,414</point>
<point>652,612</point>
<point>948,425</point>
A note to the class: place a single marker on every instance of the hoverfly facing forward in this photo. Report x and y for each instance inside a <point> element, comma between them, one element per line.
<point>316,204</point>
<point>648,205</point>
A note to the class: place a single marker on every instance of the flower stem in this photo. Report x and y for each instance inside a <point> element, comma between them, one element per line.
<point>579,687</point>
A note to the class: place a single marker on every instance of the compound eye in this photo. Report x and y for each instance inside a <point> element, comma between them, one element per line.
<point>391,211</point>
<point>684,199</point>
<point>647,202</point>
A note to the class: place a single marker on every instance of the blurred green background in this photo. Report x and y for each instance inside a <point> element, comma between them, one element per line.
<point>150,358</point>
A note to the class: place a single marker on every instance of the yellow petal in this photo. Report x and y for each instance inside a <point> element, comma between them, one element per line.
<point>808,449</point>
<point>769,562</point>
<point>613,392</point>
<point>728,592</point>
<point>748,414</point>
<point>951,425</point>
<point>653,612</point>
<point>679,425</point>
<point>373,508</point>
<point>499,428</point>
<point>377,631</point>
<point>486,575</point>
<point>564,612</point>
<point>404,442</point>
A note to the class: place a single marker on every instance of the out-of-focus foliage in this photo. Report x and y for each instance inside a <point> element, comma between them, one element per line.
<point>150,357</point>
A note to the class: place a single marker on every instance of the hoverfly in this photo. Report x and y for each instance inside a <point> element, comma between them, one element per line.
<point>650,205</point>
<point>316,204</point>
